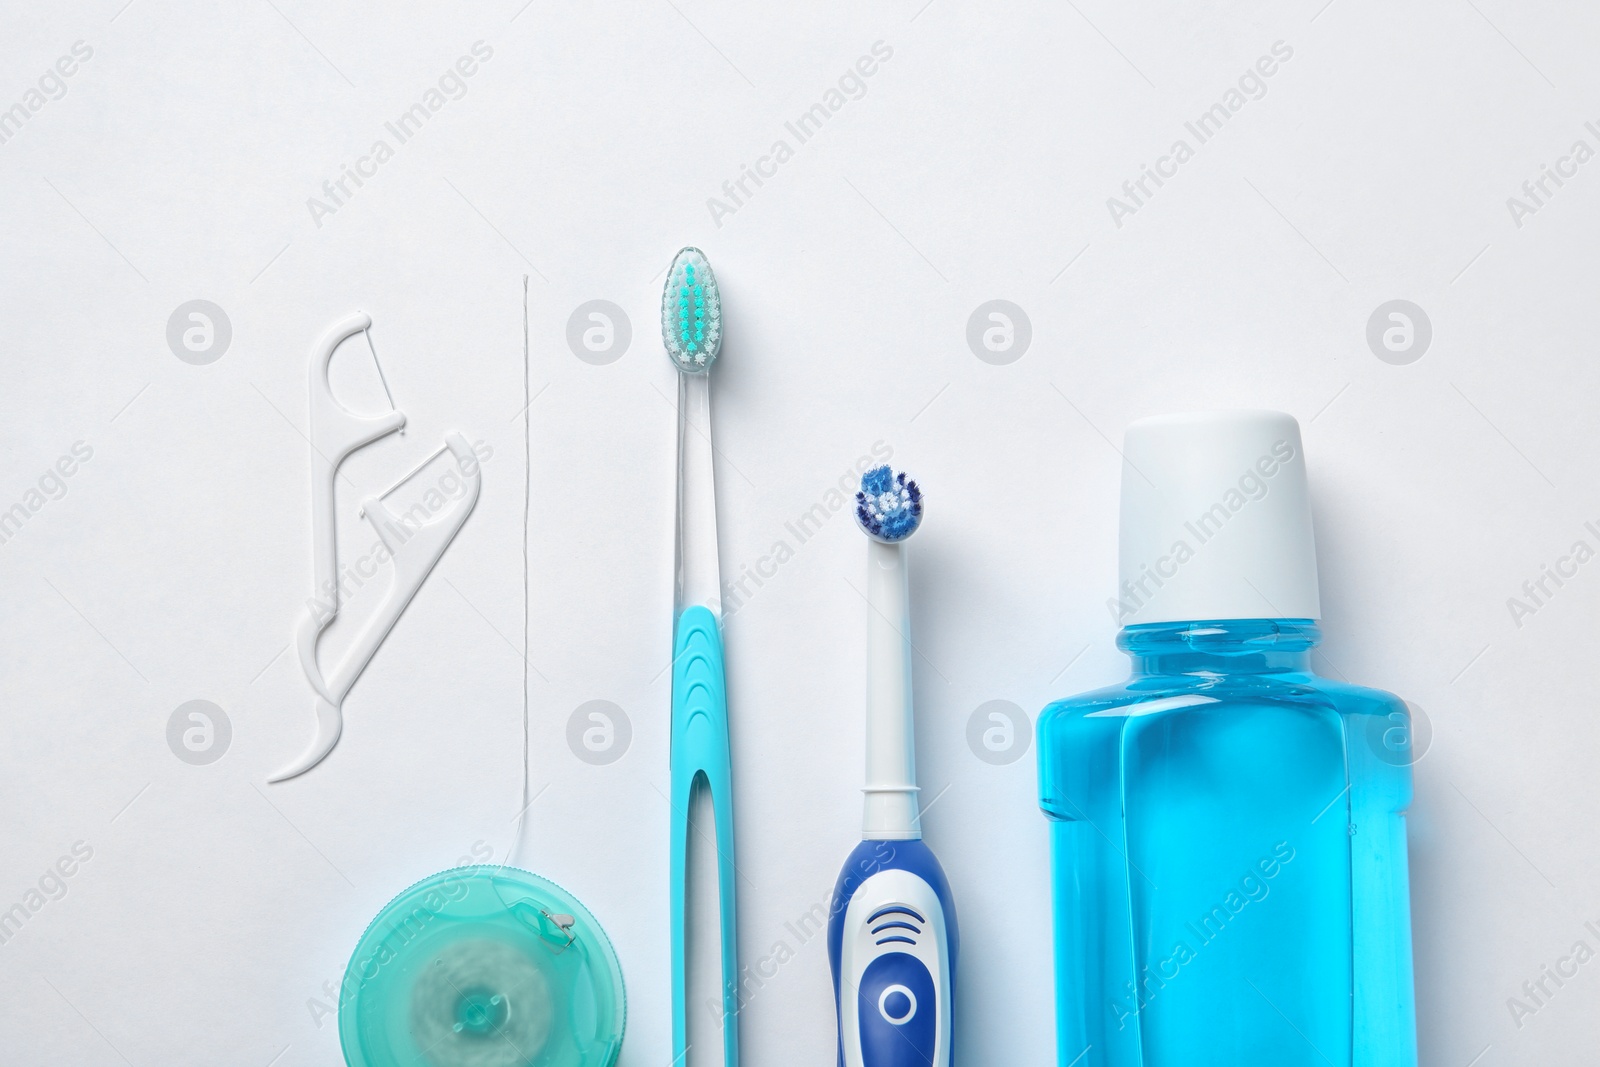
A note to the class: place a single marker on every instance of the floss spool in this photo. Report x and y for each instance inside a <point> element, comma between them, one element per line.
<point>483,967</point>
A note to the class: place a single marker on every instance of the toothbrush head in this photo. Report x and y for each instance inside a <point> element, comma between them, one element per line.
<point>889,506</point>
<point>691,313</point>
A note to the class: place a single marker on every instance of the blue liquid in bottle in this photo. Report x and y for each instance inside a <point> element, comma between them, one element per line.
<point>1229,857</point>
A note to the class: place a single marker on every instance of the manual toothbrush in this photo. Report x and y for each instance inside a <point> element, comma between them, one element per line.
<point>691,329</point>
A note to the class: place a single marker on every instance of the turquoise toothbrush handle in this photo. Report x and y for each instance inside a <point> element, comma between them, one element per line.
<point>700,749</point>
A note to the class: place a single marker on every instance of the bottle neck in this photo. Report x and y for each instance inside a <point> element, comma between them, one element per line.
<point>1229,646</point>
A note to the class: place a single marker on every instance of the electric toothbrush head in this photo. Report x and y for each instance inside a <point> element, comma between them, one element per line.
<point>889,505</point>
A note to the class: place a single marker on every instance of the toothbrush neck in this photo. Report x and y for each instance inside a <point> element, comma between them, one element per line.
<point>892,811</point>
<point>1230,646</point>
<point>699,577</point>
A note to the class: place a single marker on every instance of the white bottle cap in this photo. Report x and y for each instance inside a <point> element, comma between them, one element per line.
<point>1216,520</point>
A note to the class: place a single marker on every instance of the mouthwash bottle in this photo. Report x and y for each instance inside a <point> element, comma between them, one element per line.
<point>1227,828</point>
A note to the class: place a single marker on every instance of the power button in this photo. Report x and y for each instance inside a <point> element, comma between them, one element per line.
<point>897,1004</point>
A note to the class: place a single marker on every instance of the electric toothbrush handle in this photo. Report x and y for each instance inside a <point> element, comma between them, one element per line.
<point>892,945</point>
<point>700,748</point>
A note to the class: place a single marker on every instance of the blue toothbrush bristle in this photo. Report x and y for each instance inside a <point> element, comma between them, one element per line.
<point>691,313</point>
<point>889,505</point>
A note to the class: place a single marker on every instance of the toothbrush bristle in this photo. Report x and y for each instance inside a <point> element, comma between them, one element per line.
<point>691,313</point>
<point>889,505</point>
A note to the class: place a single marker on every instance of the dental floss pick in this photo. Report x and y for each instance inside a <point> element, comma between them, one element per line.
<point>413,553</point>
<point>336,432</point>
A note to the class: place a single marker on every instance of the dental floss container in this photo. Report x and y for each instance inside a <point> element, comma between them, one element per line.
<point>483,966</point>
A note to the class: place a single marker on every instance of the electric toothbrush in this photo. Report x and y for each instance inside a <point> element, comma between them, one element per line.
<point>892,937</point>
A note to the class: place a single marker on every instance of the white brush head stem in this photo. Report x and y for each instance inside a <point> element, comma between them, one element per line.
<point>892,812</point>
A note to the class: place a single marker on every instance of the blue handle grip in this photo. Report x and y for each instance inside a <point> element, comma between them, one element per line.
<point>700,751</point>
<point>892,944</point>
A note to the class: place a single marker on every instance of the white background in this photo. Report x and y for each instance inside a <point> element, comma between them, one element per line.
<point>976,165</point>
